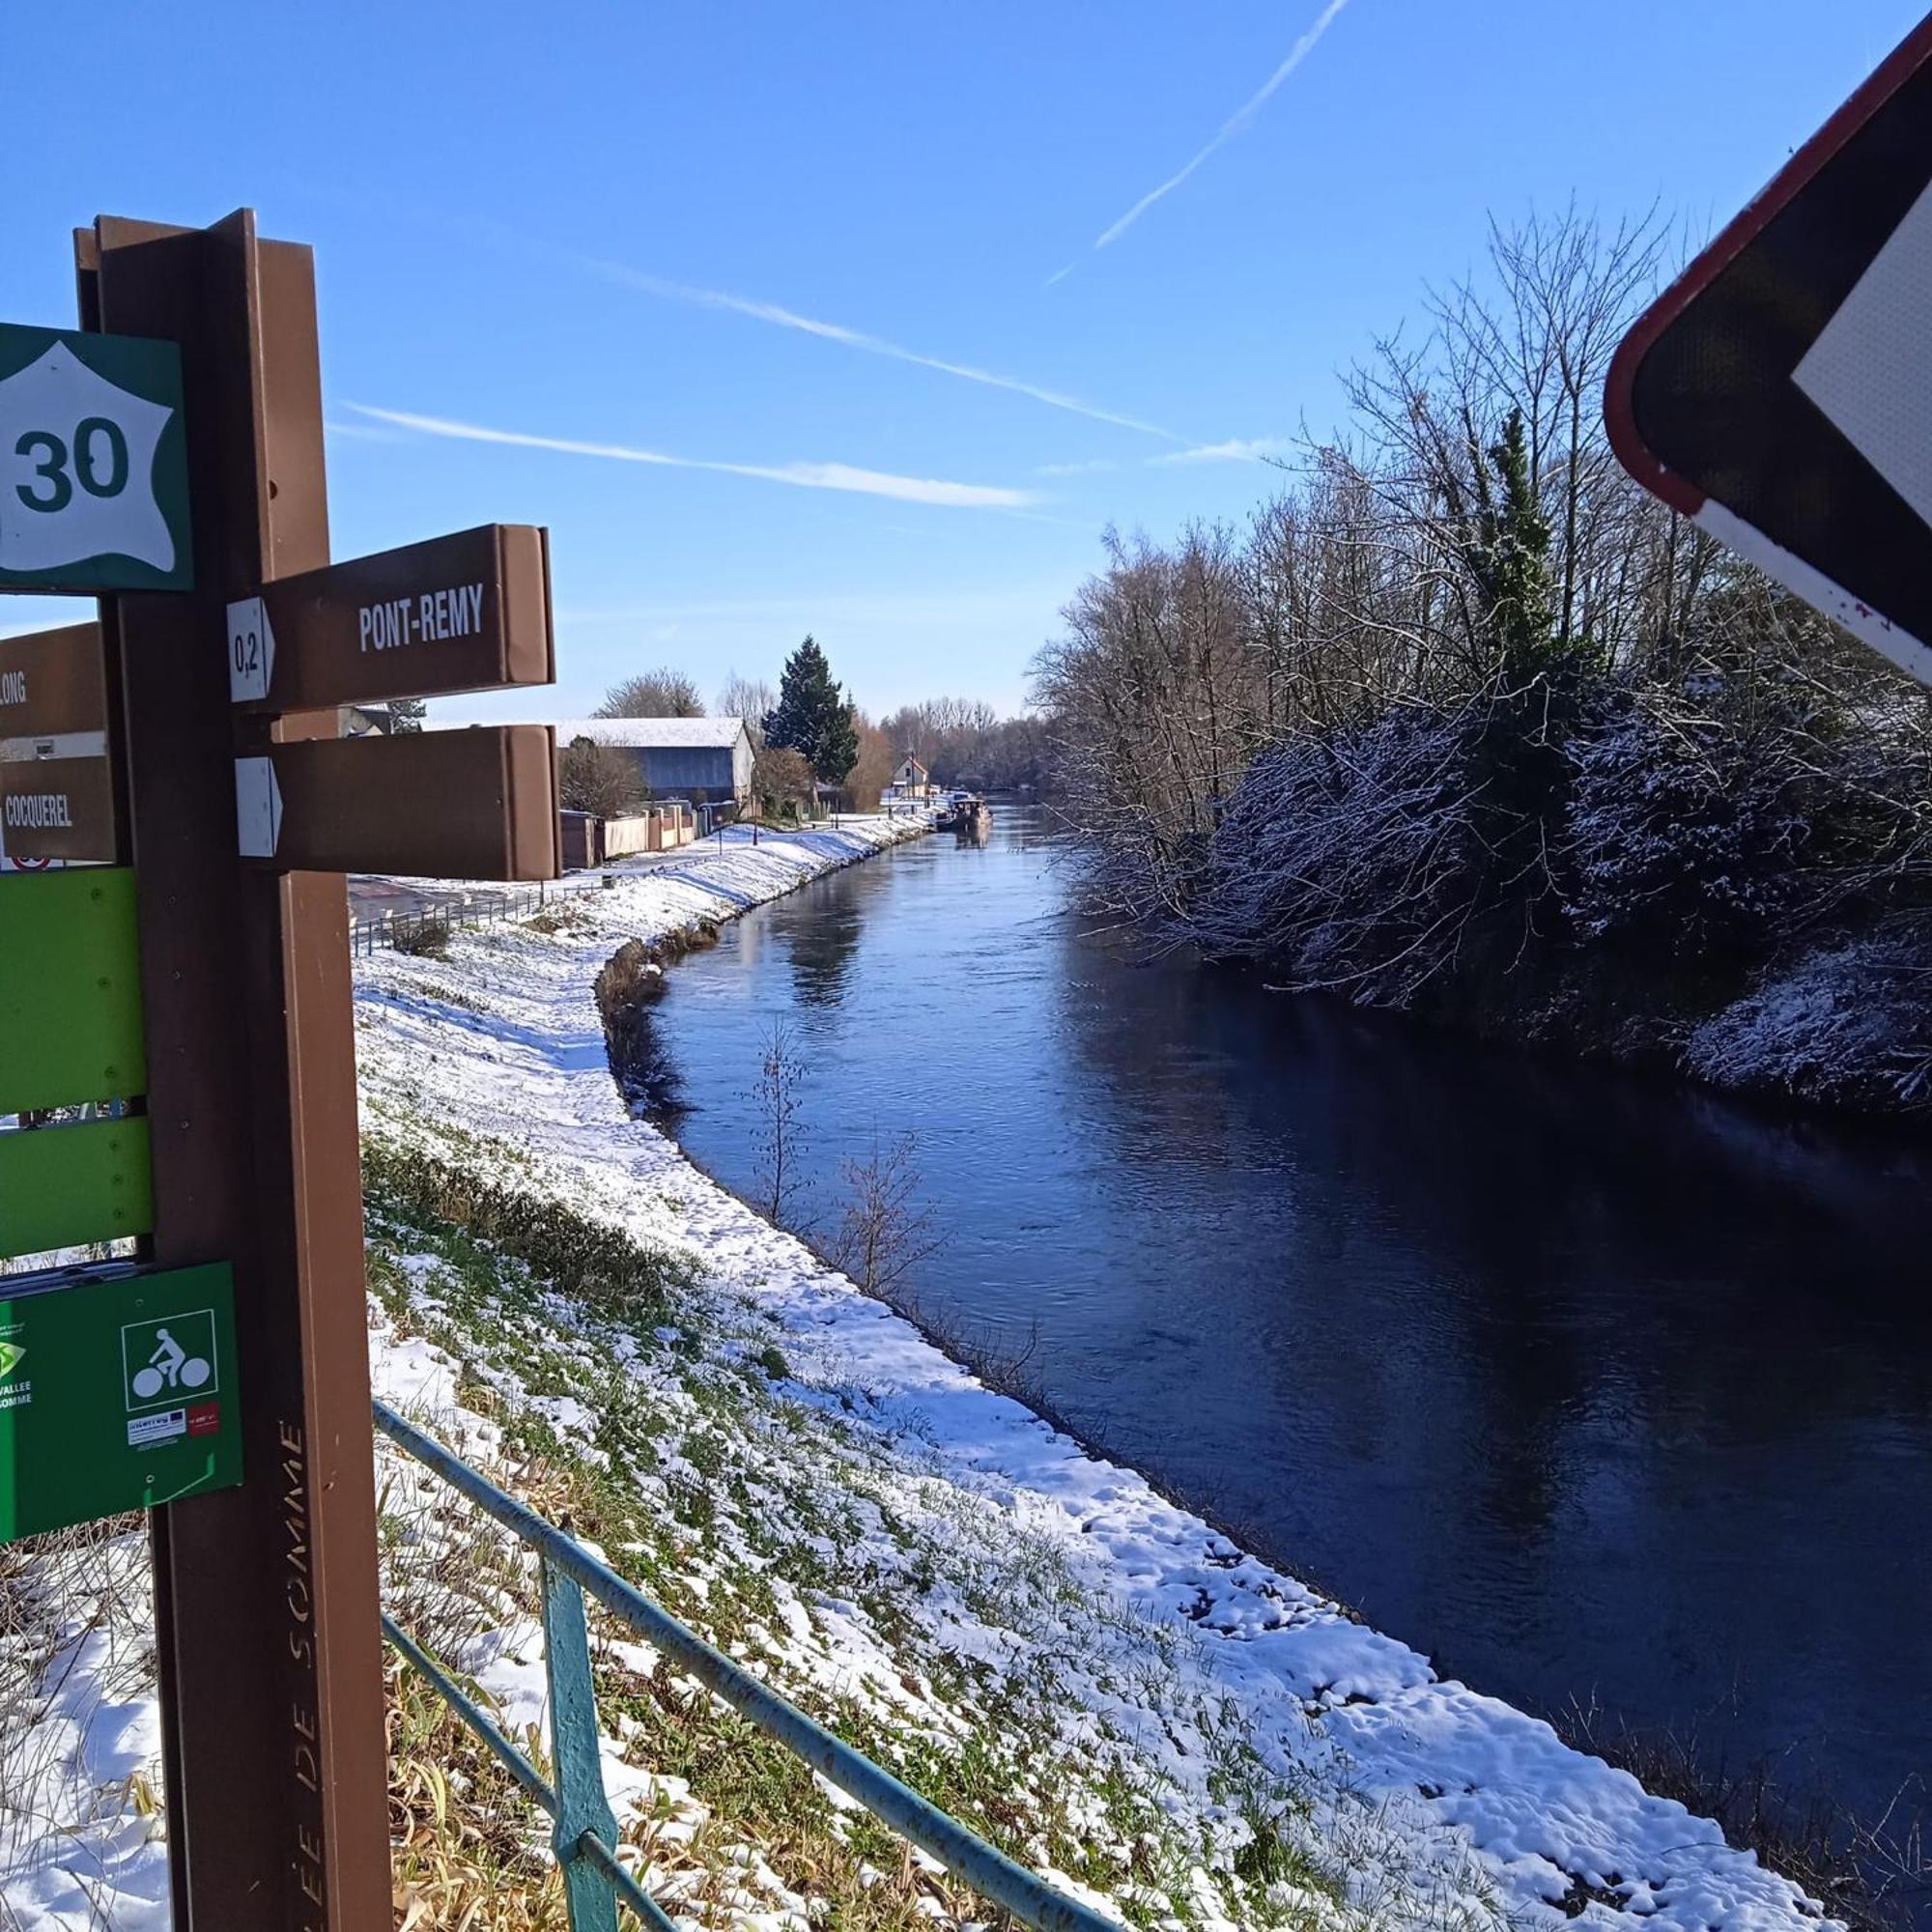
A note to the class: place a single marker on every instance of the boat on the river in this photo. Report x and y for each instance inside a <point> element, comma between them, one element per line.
<point>965,813</point>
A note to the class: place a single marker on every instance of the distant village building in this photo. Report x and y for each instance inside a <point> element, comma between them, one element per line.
<point>912,783</point>
<point>705,760</point>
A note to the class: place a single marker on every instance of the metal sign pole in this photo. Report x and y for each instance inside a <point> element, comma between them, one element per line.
<point>267,1617</point>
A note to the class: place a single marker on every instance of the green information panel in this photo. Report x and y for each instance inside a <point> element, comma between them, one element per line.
<point>70,989</point>
<point>116,1392</point>
<point>65,1186</point>
<point>93,462</point>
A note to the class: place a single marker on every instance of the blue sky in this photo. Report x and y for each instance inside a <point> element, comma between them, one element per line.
<point>747,238</point>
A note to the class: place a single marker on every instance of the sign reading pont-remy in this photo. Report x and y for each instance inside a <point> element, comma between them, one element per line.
<point>116,1392</point>
<point>1780,393</point>
<point>93,463</point>
<point>462,612</point>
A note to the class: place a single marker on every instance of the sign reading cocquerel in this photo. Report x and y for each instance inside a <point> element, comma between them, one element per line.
<point>57,809</point>
<point>93,463</point>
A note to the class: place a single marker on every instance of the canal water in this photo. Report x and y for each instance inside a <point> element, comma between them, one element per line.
<point>1589,1387</point>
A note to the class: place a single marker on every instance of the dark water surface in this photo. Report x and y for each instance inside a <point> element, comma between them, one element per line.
<point>1583,1385</point>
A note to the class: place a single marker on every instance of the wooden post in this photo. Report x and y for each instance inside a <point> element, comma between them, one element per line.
<point>267,1615</point>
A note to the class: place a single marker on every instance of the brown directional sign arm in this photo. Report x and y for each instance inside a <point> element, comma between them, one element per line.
<point>451,805</point>
<point>51,684</point>
<point>462,612</point>
<point>58,808</point>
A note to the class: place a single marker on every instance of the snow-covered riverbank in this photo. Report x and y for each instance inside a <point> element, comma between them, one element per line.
<point>1093,1674</point>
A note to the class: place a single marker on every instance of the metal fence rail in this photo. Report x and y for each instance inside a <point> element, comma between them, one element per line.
<point>406,930</point>
<point>586,1833</point>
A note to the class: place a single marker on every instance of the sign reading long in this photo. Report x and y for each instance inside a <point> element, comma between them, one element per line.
<point>93,463</point>
<point>462,612</point>
<point>52,683</point>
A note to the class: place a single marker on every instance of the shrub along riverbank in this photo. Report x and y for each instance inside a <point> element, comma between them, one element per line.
<point>1464,725</point>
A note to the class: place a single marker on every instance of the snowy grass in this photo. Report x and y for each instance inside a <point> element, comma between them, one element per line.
<point>778,1518</point>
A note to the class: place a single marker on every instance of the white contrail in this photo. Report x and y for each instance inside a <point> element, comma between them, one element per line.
<point>1236,449</point>
<point>854,338</point>
<point>802,476</point>
<point>1230,128</point>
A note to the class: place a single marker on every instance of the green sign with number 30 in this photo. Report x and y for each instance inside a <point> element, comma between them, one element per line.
<point>93,463</point>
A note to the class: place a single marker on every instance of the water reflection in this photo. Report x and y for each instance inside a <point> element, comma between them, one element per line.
<point>821,954</point>
<point>1586,1386</point>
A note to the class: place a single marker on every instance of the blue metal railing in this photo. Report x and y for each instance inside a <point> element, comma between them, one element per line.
<point>584,1834</point>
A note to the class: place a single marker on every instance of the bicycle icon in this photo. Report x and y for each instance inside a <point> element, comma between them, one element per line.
<point>170,1359</point>
<point>170,1366</point>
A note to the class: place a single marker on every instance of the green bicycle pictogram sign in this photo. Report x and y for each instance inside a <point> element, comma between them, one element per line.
<point>93,462</point>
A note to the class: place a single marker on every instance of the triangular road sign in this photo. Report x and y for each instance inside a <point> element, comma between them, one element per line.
<point>1780,392</point>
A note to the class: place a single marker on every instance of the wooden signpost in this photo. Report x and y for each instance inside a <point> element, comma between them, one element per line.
<point>229,642</point>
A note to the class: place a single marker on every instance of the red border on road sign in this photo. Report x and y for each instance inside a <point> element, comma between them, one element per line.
<point>1619,411</point>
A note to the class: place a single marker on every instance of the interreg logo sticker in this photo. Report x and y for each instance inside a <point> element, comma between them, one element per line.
<point>93,462</point>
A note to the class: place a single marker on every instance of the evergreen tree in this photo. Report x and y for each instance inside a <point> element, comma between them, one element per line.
<point>813,716</point>
<point>406,714</point>
<point>1509,557</point>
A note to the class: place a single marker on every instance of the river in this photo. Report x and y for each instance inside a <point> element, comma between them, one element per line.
<point>1588,1386</point>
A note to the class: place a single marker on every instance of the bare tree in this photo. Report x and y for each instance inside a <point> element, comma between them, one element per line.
<point>885,1232</point>
<point>603,779</point>
<point>780,1100</point>
<point>663,693</point>
<point>783,781</point>
<point>751,698</point>
<point>872,770</point>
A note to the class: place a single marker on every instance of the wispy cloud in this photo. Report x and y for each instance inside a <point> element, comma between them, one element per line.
<point>1094,465</point>
<point>1234,124</point>
<point>776,317</point>
<point>362,432</point>
<point>801,475</point>
<point>1236,449</point>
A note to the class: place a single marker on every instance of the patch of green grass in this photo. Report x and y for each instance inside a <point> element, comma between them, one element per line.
<point>600,1266</point>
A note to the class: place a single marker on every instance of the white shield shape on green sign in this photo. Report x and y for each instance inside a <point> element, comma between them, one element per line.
<point>93,462</point>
